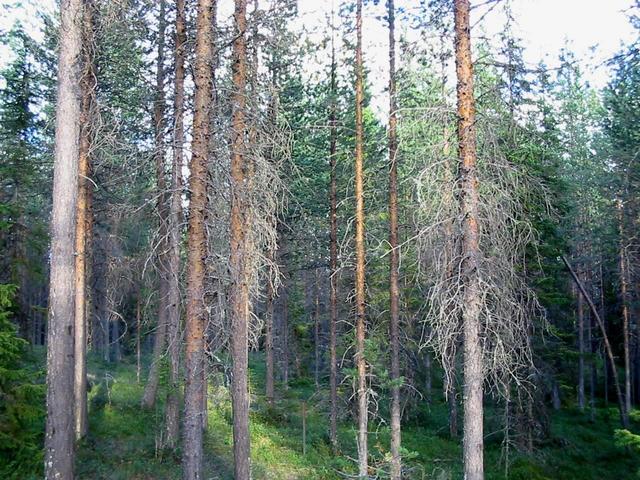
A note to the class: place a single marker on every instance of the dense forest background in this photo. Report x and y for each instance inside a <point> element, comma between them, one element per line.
<point>218,210</point>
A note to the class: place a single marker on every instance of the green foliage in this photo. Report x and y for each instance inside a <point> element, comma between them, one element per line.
<point>21,400</point>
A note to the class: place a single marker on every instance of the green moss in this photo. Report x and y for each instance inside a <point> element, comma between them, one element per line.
<point>122,439</point>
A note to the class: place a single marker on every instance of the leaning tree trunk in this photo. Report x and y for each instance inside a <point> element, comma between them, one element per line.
<point>359,357</point>
<point>83,221</point>
<point>240,240</point>
<point>624,417</point>
<point>333,251</point>
<point>394,257</point>
<point>468,194</point>
<point>59,437</point>
<point>172,408</point>
<point>151,388</point>
<point>197,246</point>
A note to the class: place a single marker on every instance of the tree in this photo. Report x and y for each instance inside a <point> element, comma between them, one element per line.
<point>359,357</point>
<point>84,223</point>
<point>394,289</point>
<point>59,437</point>
<point>240,248</point>
<point>196,249</point>
<point>468,197</point>
<point>333,245</point>
<point>175,222</point>
<point>151,388</point>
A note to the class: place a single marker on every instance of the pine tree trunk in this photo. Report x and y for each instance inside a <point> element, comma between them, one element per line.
<point>394,290</point>
<point>197,246</point>
<point>605,367</point>
<point>359,357</point>
<point>138,337</point>
<point>316,331</point>
<point>428,388</point>
<point>269,383</point>
<point>269,310</point>
<point>452,400</point>
<point>625,308</point>
<point>83,219</point>
<point>472,349</point>
<point>555,395</point>
<point>284,316</point>
<point>240,239</point>
<point>59,437</point>
<point>333,250</point>
<point>172,409</point>
<point>581,399</point>
<point>151,388</point>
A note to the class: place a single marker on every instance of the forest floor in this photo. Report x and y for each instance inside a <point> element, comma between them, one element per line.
<point>123,439</point>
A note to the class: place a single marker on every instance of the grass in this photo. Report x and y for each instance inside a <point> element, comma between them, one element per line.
<point>123,438</point>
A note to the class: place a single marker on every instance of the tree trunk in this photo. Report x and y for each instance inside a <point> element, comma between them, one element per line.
<point>240,239</point>
<point>472,348</point>
<point>624,418</point>
<point>268,347</point>
<point>555,395</point>
<point>151,388</point>
<point>282,306</point>
<point>605,369</point>
<point>333,250</point>
<point>359,358</point>
<point>581,401</point>
<point>316,331</point>
<point>428,388</point>
<point>394,260</point>
<point>59,438</point>
<point>138,331</point>
<point>83,219</point>
<point>625,308</point>
<point>197,246</point>
<point>452,400</point>
<point>172,412</point>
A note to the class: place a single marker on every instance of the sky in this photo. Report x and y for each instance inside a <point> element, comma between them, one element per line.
<point>544,26</point>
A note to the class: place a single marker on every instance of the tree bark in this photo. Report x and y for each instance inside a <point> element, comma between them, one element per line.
<point>622,259</point>
<point>172,409</point>
<point>59,437</point>
<point>316,330</point>
<point>138,338</point>
<point>603,316</point>
<point>197,246</point>
<point>333,249</point>
<point>240,239</point>
<point>581,399</point>
<point>151,388</point>
<point>473,443</point>
<point>624,418</point>
<point>394,260</point>
<point>452,399</point>
<point>269,383</point>
<point>428,389</point>
<point>359,357</point>
<point>83,220</point>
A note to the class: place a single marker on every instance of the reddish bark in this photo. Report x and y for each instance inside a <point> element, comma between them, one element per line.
<point>197,246</point>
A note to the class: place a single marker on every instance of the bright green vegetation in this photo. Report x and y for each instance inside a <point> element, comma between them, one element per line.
<point>123,438</point>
